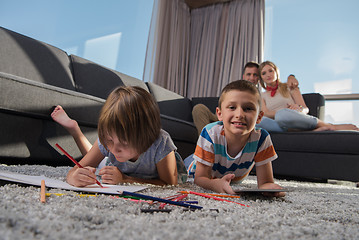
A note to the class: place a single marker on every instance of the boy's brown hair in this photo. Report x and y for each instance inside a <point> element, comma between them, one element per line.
<point>240,85</point>
<point>133,115</point>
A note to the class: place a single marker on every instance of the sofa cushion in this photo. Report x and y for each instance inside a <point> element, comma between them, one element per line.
<point>23,96</point>
<point>170,103</point>
<point>99,81</point>
<point>34,60</point>
<point>335,142</point>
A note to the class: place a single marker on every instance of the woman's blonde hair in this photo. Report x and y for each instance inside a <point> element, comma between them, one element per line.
<point>133,115</point>
<point>282,87</point>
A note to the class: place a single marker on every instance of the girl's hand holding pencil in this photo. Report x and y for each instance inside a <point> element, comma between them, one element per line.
<point>82,176</point>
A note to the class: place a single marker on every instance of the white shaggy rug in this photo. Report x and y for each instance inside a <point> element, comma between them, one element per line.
<point>309,211</point>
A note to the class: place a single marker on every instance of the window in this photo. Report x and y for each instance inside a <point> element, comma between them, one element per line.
<point>317,41</point>
<point>112,33</point>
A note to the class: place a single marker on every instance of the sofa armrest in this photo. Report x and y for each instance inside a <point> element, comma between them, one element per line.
<point>316,104</point>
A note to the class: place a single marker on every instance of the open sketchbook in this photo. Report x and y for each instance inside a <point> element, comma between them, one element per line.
<point>53,183</point>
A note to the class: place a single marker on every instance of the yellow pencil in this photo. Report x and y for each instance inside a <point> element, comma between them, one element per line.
<point>214,194</point>
<point>78,195</point>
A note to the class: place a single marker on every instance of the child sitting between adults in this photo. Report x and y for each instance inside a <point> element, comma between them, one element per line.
<point>228,149</point>
<point>131,138</point>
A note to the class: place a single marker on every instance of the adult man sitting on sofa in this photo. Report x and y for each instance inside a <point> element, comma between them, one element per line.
<point>202,115</point>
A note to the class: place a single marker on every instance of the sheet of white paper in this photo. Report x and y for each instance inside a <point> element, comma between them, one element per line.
<point>53,183</point>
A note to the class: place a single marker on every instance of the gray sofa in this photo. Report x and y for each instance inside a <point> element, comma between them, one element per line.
<point>35,77</point>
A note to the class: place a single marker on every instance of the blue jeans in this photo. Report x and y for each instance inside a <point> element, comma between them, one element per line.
<point>288,119</point>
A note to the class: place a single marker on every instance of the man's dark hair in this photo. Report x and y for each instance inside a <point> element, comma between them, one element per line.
<point>250,65</point>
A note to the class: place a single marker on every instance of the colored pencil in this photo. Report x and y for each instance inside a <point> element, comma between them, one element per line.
<point>182,196</point>
<point>160,200</point>
<point>64,194</point>
<point>215,194</point>
<point>43,192</point>
<point>216,198</point>
<point>74,161</point>
<point>150,210</point>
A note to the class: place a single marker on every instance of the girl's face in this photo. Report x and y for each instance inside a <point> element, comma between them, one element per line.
<point>121,150</point>
<point>269,75</point>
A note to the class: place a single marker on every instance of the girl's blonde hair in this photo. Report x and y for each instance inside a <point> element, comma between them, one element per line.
<point>133,115</point>
<point>282,87</point>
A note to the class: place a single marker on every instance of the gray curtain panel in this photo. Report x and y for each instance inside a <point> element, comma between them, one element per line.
<point>197,52</point>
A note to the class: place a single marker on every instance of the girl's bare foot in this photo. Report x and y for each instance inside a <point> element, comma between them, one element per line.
<point>60,116</point>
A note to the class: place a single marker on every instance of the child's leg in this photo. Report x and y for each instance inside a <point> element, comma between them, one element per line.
<point>59,115</point>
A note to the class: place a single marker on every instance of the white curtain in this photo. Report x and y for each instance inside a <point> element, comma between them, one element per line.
<point>196,53</point>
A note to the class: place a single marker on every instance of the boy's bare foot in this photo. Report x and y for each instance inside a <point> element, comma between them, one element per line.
<point>60,116</point>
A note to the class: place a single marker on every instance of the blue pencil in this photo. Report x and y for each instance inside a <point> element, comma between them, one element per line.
<point>160,200</point>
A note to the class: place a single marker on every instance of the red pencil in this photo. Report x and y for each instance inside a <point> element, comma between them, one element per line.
<point>173,198</point>
<point>74,161</point>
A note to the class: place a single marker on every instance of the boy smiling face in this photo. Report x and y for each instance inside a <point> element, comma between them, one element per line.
<point>239,112</point>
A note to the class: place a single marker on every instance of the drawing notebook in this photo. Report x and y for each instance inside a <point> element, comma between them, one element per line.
<point>53,183</point>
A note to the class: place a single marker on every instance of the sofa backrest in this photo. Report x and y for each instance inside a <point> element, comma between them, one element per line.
<point>171,103</point>
<point>34,60</point>
<point>314,101</point>
<point>96,80</point>
<point>210,102</point>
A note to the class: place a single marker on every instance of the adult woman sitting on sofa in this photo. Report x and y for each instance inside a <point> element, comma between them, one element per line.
<point>286,108</point>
